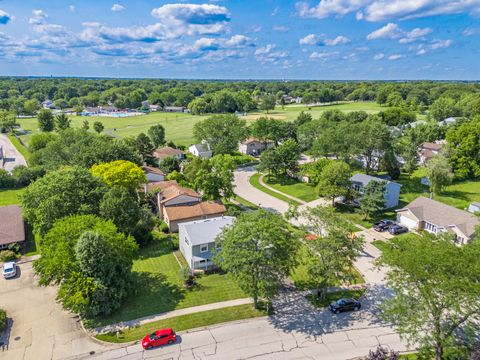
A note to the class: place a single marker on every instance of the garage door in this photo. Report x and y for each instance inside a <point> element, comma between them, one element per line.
<point>405,221</point>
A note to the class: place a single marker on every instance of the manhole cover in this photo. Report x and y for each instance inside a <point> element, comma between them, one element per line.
<point>17,338</point>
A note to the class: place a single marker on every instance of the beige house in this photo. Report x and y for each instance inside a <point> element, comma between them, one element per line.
<point>177,204</point>
<point>254,147</point>
<point>429,150</point>
<point>167,151</point>
<point>435,217</point>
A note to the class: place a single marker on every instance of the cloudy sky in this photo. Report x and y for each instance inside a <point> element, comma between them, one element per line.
<point>242,39</point>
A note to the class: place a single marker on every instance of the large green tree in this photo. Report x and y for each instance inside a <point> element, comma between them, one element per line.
<point>439,173</point>
<point>7,121</point>
<point>464,142</point>
<point>62,122</point>
<point>60,193</point>
<point>259,251</point>
<point>222,132</point>
<point>334,180</point>
<point>120,173</point>
<point>437,292</point>
<point>372,200</point>
<point>157,135</point>
<point>46,121</point>
<point>333,251</point>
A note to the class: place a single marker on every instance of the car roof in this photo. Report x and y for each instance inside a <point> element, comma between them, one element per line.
<point>10,264</point>
<point>164,331</point>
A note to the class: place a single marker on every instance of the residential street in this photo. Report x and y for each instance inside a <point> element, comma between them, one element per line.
<point>11,157</point>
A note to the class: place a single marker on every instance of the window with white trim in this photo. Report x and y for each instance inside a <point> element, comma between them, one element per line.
<point>203,248</point>
<point>430,228</point>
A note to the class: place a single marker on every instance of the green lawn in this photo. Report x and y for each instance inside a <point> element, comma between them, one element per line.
<point>292,187</point>
<point>334,296</point>
<point>159,286</point>
<point>186,322</point>
<point>19,146</point>
<point>10,197</point>
<point>301,278</point>
<point>254,181</point>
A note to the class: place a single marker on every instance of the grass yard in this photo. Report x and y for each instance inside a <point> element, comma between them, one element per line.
<point>255,182</point>
<point>334,296</point>
<point>292,187</point>
<point>186,322</point>
<point>20,147</point>
<point>301,278</point>
<point>159,286</point>
<point>10,197</point>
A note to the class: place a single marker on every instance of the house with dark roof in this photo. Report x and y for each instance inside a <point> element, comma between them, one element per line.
<point>177,204</point>
<point>197,240</point>
<point>153,174</point>
<point>12,227</point>
<point>436,217</point>
<point>392,189</point>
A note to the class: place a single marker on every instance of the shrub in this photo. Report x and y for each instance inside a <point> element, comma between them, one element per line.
<point>15,247</point>
<point>163,227</point>
<point>3,320</point>
<point>8,255</point>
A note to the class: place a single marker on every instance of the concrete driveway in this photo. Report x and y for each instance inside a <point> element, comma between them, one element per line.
<point>11,156</point>
<point>39,329</point>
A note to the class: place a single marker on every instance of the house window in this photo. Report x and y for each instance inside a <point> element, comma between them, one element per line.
<point>203,248</point>
<point>357,187</point>
<point>186,241</point>
<point>430,228</point>
<point>460,240</point>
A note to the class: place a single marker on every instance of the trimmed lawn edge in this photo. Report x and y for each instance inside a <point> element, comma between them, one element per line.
<point>255,182</point>
<point>186,322</point>
<point>22,149</point>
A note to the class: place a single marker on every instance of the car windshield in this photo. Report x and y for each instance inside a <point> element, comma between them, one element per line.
<point>152,336</point>
<point>341,302</point>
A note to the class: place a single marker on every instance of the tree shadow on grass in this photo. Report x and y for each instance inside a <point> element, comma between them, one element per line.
<point>158,247</point>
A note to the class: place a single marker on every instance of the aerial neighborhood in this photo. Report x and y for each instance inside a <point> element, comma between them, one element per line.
<point>240,180</point>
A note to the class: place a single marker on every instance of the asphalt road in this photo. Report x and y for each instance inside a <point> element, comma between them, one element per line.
<point>11,157</point>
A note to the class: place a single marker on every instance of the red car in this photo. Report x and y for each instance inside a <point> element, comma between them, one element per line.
<point>158,338</point>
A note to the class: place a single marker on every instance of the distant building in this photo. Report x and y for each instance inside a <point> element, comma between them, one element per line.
<point>474,207</point>
<point>47,104</point>
<point>254,147</point>
<point>202,150</point>
<point>173,109</point>
<point>429,150</point>
<point>197,240</point>
<point>435,217</point>
<point>12,227</point>
<point>153,174</point>
<point>448,121</point>
<point>167,151</point>
<point>154,107</point>
<point>392,189</point>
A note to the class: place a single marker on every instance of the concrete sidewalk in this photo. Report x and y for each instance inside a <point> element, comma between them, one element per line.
<point>169,315</point>
<point>260,180</point>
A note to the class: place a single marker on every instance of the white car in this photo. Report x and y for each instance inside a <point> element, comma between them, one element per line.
<point>9,270</point>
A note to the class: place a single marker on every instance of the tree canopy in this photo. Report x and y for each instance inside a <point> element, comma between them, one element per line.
<point>120,173</point>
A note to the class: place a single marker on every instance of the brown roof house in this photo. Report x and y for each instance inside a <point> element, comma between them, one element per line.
<point>435,217</point>
<point>153,174</point>
<point>167,151</point>
<point>177,204</point>
<point>254,147</point>
<point>12,227</point>
<point>429,150</point>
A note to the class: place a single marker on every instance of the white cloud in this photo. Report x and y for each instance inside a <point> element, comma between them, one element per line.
<point>414,35</point>
<point>469,31</point>
<point>389,31</point>
<point>4,17</point>
<point>117,7</point>
<point>321,40</point>
<point>238,41</point>
<point>396,57</point>
<point>71,8</point>
<point>323,55</point>
<point>281,28</point>
<point>379,56</point>
<point>441,44</point>
<point>269,54</point>
<point>38,17</point>
<point>275,11</point>
<point>380,10</point>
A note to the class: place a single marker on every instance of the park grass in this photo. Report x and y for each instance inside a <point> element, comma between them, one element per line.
<point>244,202</point>
<point>292,187</point>
<point>20,147</point>
<point>301,278</point>
<point>159,285</point>
<point>185,322</point>
<point>334,296</point>
<point>10,197</point>
<point>255,182</point>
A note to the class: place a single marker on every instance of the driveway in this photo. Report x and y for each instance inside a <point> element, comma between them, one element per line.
<point>40,329</point>
<point>11,156</point>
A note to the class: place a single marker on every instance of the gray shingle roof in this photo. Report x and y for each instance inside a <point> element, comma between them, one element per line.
<point>365,179</point>
<point>205,231</point>
<point>442,215</point>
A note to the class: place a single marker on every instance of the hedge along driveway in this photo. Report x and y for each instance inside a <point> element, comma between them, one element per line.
<point>159,286</point>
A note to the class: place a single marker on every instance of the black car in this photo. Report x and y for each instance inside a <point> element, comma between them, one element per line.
<point>344,305</point>
<point>383,225</point>
<point>397,229</point>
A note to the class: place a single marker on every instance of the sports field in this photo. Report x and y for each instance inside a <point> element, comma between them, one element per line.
<point>178,126</point>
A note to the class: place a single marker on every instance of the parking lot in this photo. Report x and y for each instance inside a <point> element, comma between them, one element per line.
<point>40,329</point>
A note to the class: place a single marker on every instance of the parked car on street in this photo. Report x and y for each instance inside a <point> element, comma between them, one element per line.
<point>383,225</point>
<point>342,305</point>
<point>159,338</point>
<point>397,229</point>
<point>9,270</point>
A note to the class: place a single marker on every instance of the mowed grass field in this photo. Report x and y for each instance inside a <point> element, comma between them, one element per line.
<point>179,126</point>
<point>159,285</point>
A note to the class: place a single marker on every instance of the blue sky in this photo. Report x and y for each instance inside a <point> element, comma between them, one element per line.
<point>242,39</point>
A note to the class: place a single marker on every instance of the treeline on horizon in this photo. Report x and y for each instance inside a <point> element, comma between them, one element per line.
<point>25,95</point>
